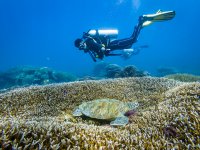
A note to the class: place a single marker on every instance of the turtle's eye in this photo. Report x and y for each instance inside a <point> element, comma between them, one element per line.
<point>77,112</point>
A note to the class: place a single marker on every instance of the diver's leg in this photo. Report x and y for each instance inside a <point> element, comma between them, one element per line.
<point>120,44</point>
<point>148,19</point>
<point>127,42</point>
<point>137,29</point>
<point>143,21</point>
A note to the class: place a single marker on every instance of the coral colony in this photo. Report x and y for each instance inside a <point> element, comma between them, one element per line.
<point>40,117</point>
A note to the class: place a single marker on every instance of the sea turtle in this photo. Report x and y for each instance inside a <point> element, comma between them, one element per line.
<point>106,109</point>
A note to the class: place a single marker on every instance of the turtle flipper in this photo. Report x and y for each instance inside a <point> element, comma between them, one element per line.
<point>119,121</point>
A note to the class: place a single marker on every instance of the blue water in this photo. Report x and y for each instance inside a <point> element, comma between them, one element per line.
<point>42,33</point>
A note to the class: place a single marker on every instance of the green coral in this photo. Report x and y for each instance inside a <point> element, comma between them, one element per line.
<point>184,77</point>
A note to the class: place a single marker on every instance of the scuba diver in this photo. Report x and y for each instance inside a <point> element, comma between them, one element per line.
<point>100,43</point>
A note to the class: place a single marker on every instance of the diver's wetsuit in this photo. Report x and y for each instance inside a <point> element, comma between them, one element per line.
<point>126,42</point>
<point>94,48</point>
<point>94,44</point>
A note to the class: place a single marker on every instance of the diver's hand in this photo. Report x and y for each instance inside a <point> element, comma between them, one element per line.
<point>103,49</point>
<point>106,52</point>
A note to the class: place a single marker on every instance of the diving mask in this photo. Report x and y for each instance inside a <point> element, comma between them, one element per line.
<point>82,45</point>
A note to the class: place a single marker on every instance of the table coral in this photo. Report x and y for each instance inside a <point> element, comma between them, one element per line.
<point>39,117</point>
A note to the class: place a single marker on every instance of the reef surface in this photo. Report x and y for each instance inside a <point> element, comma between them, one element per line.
<point>39,117</point>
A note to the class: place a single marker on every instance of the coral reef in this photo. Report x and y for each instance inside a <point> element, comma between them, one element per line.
<point>88,78</point>
<point>113,71</point>
<point>132,71</point>
<point>25,76</point>
<point>39,117</point>
<point>184,77</point>
<point>116,71</point>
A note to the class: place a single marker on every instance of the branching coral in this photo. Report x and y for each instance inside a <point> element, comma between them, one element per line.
<point>40,117</point>
<point>184,77</point>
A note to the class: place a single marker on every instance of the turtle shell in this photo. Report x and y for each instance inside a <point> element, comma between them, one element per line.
<point>104,108</point>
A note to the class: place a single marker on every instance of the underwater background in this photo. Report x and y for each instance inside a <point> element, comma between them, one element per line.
<point>42,33</point>
<point>163,80</point>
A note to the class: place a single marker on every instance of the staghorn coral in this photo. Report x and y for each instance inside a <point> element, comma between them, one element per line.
<point>184,77</point>
<point>169,130</point>
<point>39,117</point>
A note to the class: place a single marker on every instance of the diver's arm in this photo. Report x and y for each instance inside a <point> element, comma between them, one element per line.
<point>92,55</point>
<point>113,54</point>
<point>107,53</point>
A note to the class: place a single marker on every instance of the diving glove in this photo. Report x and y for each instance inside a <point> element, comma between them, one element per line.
<point>157,17</point>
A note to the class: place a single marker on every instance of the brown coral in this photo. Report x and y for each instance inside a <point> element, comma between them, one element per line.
<point>39,117</point>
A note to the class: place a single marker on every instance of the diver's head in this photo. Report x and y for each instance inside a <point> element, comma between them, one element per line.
<point>79,43</point>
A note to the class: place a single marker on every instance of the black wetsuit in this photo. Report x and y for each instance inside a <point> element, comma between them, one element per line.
<point>126,42</point>
<point>94,48</point>
<point>94,44</point>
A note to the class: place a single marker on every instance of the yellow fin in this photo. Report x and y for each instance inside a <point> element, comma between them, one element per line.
<point>147,23</point>
<point>160,16</point>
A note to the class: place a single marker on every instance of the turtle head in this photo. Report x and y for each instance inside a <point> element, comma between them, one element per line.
<point>77,112</point>
<point>132,105</point>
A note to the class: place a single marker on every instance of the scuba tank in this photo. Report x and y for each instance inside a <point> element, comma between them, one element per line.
<point>103,36</point>
<point>111,33</point>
